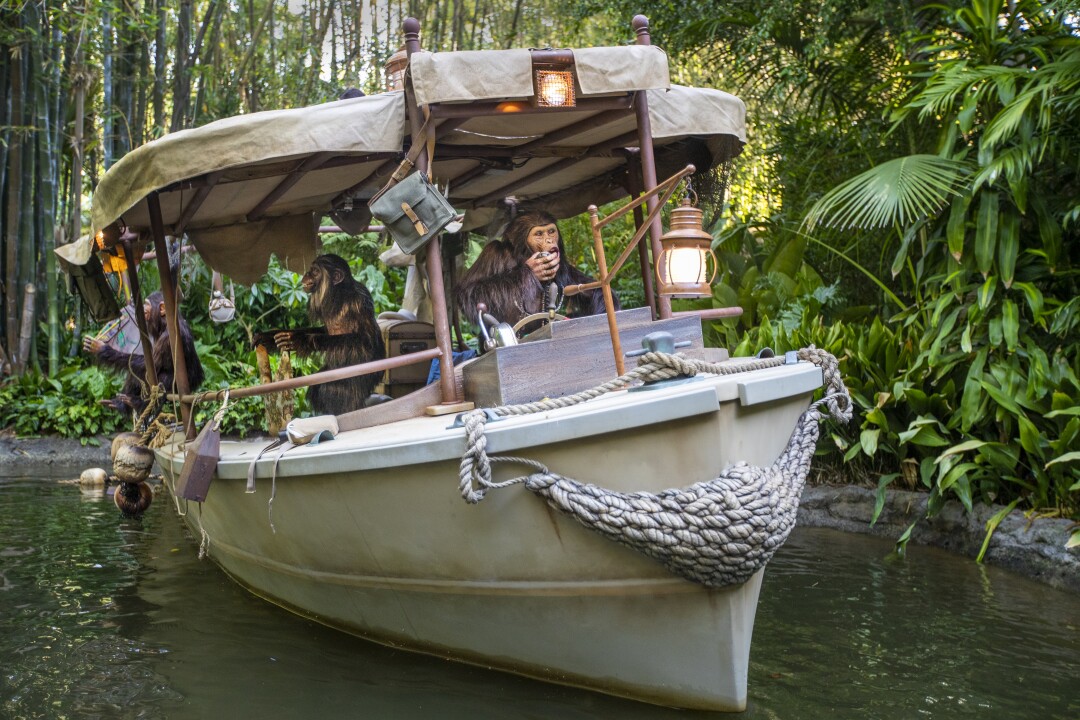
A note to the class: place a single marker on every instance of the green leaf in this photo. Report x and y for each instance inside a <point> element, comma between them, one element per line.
<point>1010,324</point>
<point>902,541</point>
<point>1008,246</point>
<point>986,292</point>
<point>925,435</point>
<point>961,448</point>
<point>869,440</point>
<point>992,524</point>
<point>957,226</point>
<point>1066,458</point>
<point>899,191</point>
<point>986,231</point>
<point>879,495</point>
<point>1074,539</point>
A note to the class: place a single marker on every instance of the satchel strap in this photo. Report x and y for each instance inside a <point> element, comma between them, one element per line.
<point>409,162</point>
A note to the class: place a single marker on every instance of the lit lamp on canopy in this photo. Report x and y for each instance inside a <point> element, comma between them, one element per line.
<point>553,79</point>
<point>684,269</point>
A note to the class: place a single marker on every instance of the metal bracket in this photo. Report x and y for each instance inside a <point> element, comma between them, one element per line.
<point>459,421</point>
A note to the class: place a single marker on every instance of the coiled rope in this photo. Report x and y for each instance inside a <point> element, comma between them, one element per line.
<point>717,532</point>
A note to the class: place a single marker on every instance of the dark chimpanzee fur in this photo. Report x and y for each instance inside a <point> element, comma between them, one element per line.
<point>500,279</point>
<point>135,365</point>
<point>350,335</point>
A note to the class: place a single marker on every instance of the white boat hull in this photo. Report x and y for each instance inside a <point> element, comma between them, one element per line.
<point>369,534</point>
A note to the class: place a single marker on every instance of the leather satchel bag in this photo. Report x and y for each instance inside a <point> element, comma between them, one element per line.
<point>413,211</point>
<point>410,207</point>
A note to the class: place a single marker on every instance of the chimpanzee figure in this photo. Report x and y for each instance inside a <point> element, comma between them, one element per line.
<point>350,335</point>
<point>131,396</point>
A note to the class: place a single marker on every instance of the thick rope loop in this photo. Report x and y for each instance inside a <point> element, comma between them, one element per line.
<point>718,532</point>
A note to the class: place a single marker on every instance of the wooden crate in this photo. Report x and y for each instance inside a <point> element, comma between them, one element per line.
<point>401,338</point>
<point>570,356</point>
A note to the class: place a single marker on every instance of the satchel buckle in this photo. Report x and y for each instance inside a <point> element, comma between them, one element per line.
<point>421,229</point>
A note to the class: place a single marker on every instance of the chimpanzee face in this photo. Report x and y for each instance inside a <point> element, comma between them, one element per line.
<point>543,238</point>
<point>312,277</point>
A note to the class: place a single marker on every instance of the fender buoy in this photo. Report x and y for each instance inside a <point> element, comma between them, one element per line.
<point>132,499</point>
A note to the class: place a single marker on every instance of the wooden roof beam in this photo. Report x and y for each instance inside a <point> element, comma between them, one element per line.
<point>196,202</point>
<point>620,141</point>
<point>313,162</point>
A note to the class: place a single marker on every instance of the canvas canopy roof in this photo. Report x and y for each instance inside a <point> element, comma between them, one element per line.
<point>248,186</point>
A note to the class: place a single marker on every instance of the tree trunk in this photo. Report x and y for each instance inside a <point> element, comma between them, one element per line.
<point>159,70</point>
<point>14,203</point>
<point>107,110</point>
<point>181,66</point>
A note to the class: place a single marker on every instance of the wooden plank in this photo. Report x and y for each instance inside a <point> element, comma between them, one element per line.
<point>563,366</point>
<point>590,325</point>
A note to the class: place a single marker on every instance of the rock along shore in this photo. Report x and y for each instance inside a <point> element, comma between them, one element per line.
<point>1035,548</point>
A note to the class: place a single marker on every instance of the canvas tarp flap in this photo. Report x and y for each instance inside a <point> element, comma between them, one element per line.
<point>498,74</point>
<point>471,75</point>
<point>358,125</point>
<point>243,250</point>
<point>683,111</point>
<point>621,69</point>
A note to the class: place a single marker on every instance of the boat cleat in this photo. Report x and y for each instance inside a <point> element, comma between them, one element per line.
<point>660,342</point>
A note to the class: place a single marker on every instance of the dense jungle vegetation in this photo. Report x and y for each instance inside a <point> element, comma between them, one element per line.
<point>909,198</point>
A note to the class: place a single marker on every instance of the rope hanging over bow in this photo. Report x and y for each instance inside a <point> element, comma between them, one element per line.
<point>718,532</point>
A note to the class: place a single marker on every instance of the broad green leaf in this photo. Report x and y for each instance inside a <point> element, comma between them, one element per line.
<point>973,393</point>
<point>962,490</point>
<point>926,436</point>
<point>1008,246</point>
<point>986,231</point>
<point>961,448</point>
<point>899,191</point>
<point>991,526</point>
<point>986,292</point>
<point>957,226</point>
<point>955,474</point>
<point>902,541</point>
<point>1033,296</point>
<point>965,339</point>
<point>1029,435</point>
<point>1074,539</point>
<point>1010,324</point>
<point>869,440</point>
<point>1073,456</point>
<point>879,495</point>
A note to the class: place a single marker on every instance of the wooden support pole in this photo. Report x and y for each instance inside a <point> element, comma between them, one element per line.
<point>140,316</point>
<point>440,318</point>
<point>168,289</point>
<point>633,181</point>
<point>605,280</point>
<point>648,158</point>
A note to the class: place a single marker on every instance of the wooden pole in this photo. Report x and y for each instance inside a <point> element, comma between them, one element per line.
<point>140,315</point>
<point>633,181</point>
<point>434,248</point>
<point>648,159</point>
<point>605,285</point>
<point>168,289</point>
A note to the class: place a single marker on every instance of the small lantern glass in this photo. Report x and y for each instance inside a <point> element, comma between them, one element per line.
<point>683,268</point>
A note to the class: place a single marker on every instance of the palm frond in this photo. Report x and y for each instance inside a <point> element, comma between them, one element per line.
<point>898,191</point>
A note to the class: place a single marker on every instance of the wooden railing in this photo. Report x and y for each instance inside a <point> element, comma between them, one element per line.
<point>314,379</point>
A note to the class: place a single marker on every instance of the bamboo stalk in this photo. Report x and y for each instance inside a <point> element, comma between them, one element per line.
<point>26,328</point>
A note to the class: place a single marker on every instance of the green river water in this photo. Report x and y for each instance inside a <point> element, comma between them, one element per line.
<point>102,617</point>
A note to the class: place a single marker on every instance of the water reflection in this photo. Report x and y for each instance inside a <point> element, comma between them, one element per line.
<point>101,617</point>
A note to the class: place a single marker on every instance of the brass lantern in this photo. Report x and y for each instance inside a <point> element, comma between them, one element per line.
<point>682,270</point>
